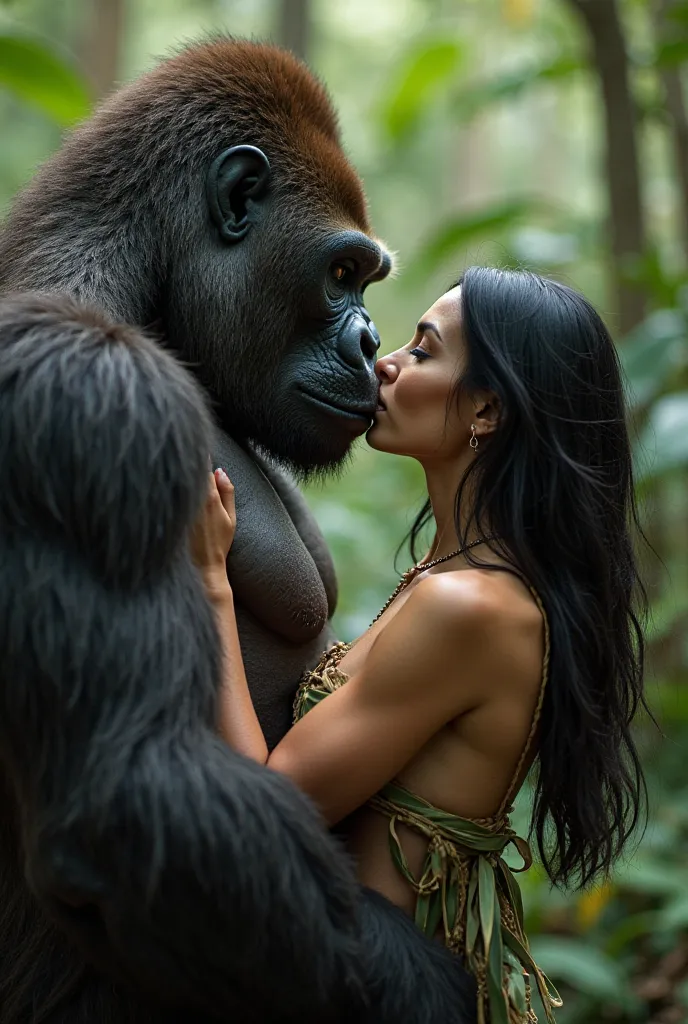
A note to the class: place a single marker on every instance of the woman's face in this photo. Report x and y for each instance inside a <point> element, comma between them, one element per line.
<point>415,415</point>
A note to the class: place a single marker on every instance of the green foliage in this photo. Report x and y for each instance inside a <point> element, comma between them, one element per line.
<point>672,53</point>
<point>474,82</point>
<point>431,68</point>
<point>512,85</point>
<point>423,74</point>
<point>600,946</point>
<point>41,79</point>
<point>654,354</point>
<point>463,230</point>
<point>666,434</point>
<point>586,969</point>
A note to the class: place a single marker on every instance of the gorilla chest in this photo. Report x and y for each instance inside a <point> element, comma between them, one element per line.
<point>283,582</point>
<point>273,670</point>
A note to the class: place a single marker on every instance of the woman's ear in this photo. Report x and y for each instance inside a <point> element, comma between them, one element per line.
<point>486,411</point>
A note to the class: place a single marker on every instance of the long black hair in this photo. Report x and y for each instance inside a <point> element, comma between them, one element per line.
<point>555,483</point>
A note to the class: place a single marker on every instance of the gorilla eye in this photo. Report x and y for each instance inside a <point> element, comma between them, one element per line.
<point>341,272</point>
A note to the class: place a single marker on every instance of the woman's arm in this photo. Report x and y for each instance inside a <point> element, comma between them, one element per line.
<point>363,734</point>
<point>411,685</point>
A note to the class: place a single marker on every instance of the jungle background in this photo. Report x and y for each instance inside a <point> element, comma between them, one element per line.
<point>551,134</point>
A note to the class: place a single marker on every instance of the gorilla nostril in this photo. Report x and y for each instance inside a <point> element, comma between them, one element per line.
<point>370,341</point>
<point>357,343</point>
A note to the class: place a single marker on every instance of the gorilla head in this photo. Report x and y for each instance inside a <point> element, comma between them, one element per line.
<point>211,200</point>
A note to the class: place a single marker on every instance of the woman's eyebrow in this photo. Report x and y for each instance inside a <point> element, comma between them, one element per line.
<point>426,325</point>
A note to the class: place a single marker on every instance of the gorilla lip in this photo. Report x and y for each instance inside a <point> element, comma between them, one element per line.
<point>365,414</point>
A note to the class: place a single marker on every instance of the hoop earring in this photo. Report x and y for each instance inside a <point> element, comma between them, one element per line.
<point>474,440</point>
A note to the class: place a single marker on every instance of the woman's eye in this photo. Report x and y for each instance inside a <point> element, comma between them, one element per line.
<point>419,353</point>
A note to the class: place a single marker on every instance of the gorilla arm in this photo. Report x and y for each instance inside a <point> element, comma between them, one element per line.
<point>174,863</point>
<point>208,882</point>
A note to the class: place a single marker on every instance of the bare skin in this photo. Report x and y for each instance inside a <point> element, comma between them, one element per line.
<point>442,689</point>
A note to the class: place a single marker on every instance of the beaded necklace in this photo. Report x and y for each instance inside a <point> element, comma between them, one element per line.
<point>411,573</point>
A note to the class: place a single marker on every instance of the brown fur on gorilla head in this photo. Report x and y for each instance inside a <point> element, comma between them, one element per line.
<point>211,198</point>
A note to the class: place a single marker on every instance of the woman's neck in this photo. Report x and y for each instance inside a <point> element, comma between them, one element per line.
<point>443,483</point>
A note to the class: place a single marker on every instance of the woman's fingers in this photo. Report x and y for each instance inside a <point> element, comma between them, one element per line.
<point>225,489</point>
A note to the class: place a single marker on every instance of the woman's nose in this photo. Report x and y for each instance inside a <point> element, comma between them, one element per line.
<point>386,370</point>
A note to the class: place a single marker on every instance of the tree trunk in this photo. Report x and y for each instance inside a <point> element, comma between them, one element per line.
<point>294,27</point>
<point>626,219</point>
<point>102,43</point>
<point>676,107</point>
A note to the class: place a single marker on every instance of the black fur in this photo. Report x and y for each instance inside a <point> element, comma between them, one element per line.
<point>146,872</point>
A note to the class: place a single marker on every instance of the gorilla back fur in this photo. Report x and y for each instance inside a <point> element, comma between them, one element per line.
<point>148,873</point>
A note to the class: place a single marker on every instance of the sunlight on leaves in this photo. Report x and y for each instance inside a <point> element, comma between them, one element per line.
<point>653,352</point>
<point>665,437</point>
<point>672,53</point>
<point>464,229</point>
<point>584,968</point>
<point>38,77</point>
<point>421,79</point>
<point>518,12</point>
<point>510,86</point>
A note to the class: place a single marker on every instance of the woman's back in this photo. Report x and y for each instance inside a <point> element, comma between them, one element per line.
<point>474,765</point>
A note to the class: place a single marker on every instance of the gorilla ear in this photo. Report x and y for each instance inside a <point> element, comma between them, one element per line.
<point>237,175</point>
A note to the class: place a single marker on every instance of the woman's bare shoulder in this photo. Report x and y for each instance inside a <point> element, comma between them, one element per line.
<point>485,617</point>
<point>486,598</point>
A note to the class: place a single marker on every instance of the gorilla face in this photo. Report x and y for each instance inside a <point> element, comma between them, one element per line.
<point>248,262</point>
<point>294,318</point>
<point>326,388</point>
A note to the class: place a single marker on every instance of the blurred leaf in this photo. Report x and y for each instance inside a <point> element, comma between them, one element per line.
<point>664,440</point>
<point>537,246</point>
<point>518,12</point>
<point>670,608</point>
<point>511,85</point>
<point>675,915</point>
<point>682,992</point>
<point>467,228</point>
<point>649,271</point>
<point>583,967</point>
<point>672,53</point>
<point>678,13</point>
<point>635,926</point>
<point>40,78</point>
<point>669,702</point>
<point>591,903</point>
<point>653,877</point>
<point>652,352</point>
<point>423,74</point>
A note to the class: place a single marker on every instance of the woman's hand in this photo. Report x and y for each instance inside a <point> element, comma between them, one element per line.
<point>211,538</point>
<point>213,532</point>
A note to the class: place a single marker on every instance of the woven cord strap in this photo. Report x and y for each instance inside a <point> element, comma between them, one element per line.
<point>485,927</point>
<point>537,713</point>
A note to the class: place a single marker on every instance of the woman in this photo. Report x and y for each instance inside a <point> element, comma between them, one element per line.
<point>514,639</point>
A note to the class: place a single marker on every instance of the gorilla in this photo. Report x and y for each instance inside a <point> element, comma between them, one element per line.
<point>148,873</point>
